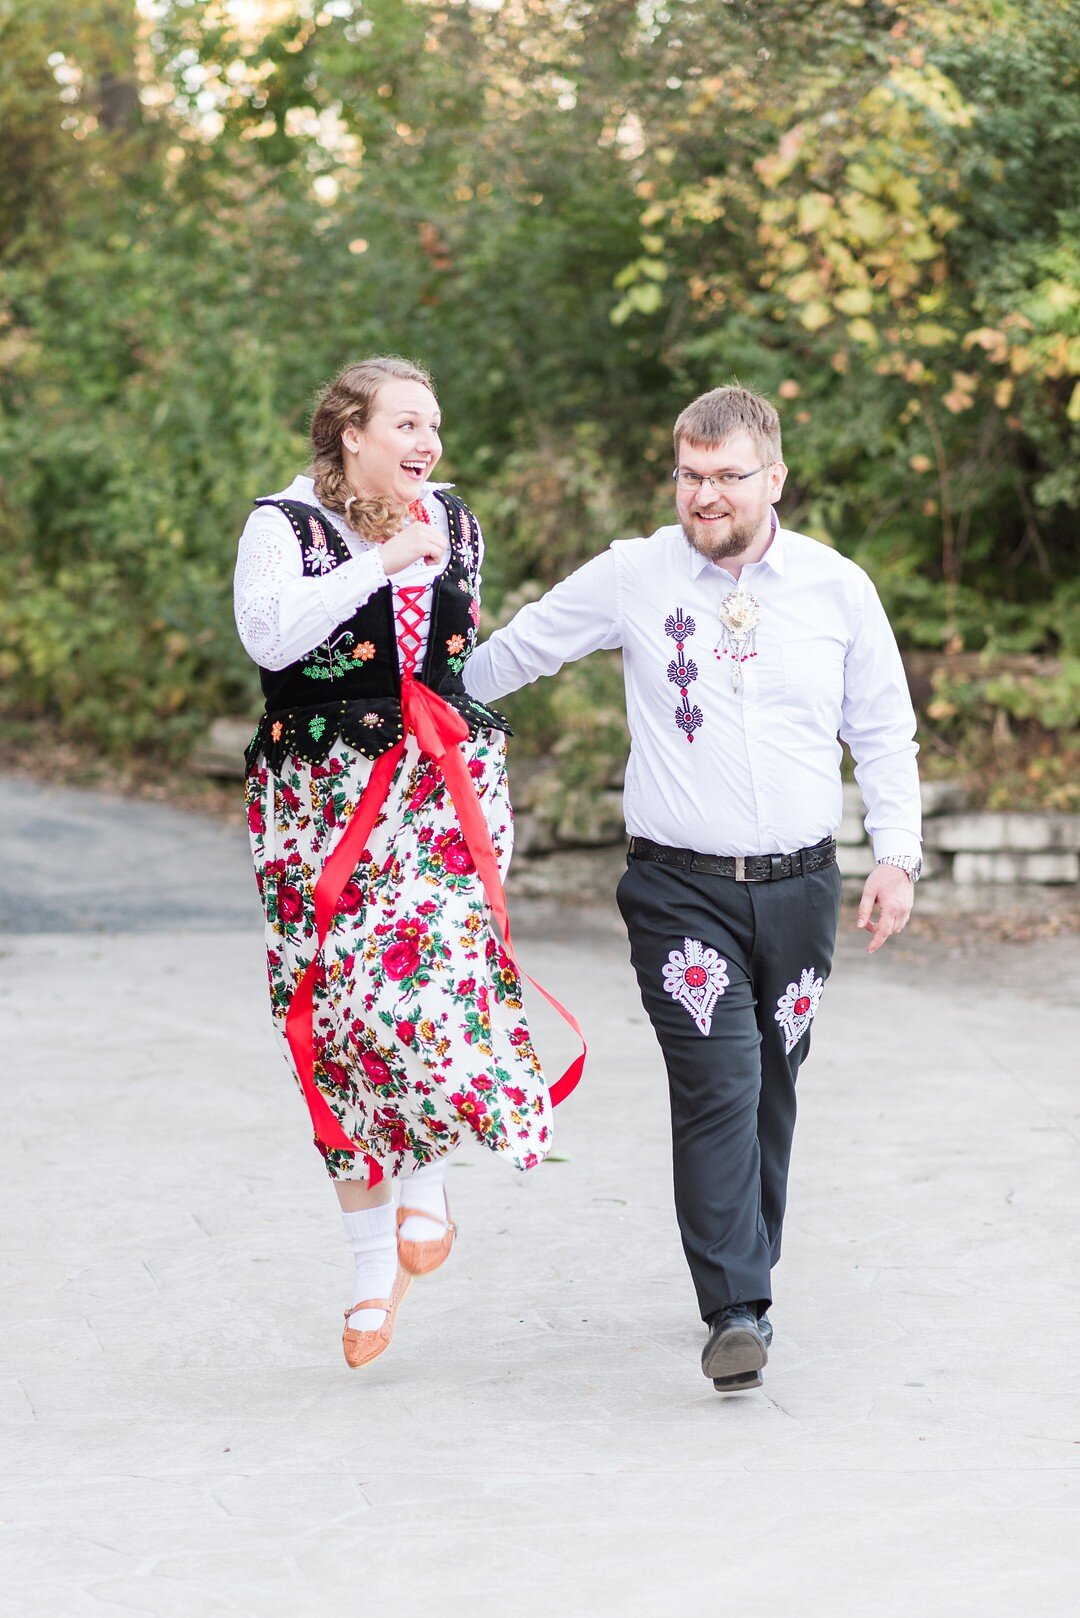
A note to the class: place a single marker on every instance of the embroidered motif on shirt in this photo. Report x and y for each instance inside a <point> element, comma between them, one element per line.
<point>796,1007</point>
<point>318,555</point>
<point>696,977</point>
<point>683,672</point>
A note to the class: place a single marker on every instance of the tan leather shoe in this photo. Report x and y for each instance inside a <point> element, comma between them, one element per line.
<point>420,1258</point>
<point>361,1347</point>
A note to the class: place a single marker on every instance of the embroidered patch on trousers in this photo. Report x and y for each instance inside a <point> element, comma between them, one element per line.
<point>797,1005</point>
<point>696,977</point>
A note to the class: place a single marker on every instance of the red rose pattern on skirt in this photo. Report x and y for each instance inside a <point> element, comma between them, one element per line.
<point>419,1032</point>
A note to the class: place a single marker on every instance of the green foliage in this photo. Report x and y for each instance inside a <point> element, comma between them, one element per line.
<point>578,213</point>
<point>1014,735</point>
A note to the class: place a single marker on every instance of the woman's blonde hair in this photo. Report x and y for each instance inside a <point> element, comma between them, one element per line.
<point>350,398</point>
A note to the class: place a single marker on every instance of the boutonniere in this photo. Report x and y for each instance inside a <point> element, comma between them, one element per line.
<point>740,615</point>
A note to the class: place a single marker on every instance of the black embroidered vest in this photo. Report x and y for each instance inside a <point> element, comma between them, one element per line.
<point>350,686</point>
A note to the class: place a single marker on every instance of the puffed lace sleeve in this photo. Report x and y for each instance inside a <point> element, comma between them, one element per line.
<point>280,614</point>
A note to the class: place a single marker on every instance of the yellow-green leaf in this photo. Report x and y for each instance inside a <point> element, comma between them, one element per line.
<point>864,179</point>
<point>854,301</point>
<point>815,315</point>
<point>862,331</point>
<point>928,334</point>
<point>866,219</point>
<point>814,209</point>
<point>1060,295</point>
<point>805,287</point>
<point>646,298</point>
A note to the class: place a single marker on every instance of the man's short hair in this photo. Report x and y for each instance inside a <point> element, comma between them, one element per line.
<point>714,416</point>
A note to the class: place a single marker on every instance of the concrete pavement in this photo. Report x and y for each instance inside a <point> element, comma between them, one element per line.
<point>181,1436</point>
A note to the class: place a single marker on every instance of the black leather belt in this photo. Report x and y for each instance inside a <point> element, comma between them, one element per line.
<point>743,867</point>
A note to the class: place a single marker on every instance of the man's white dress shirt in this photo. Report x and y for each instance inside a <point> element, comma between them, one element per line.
<point>281,614</point>
<point>753,770</point>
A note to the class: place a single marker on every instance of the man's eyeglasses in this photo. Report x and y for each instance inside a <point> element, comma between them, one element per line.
<point>722,480</point>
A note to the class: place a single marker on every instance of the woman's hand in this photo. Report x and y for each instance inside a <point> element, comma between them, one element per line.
<point>416,542</point>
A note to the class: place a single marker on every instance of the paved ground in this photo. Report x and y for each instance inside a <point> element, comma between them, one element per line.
<point>181,1436</point>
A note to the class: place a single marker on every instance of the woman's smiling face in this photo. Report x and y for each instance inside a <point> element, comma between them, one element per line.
<point>393,455</point>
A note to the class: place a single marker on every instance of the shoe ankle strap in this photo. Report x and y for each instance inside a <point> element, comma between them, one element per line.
<point>418,1213</point>
<point>368,1303</point>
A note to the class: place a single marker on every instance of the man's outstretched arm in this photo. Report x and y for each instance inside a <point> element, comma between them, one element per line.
<point>578,616</point>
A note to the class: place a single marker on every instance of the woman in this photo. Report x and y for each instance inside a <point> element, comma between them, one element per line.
<point>357,593</point>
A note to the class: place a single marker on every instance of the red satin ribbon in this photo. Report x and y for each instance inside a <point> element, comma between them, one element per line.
<point>438,729</point>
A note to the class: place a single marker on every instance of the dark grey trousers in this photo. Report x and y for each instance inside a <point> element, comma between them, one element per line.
<point>731,975</point>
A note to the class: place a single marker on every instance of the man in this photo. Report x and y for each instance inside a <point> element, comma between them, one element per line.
<point>748,649</point>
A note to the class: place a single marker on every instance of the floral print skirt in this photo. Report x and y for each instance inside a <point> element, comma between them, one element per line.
<point>419,1032</point>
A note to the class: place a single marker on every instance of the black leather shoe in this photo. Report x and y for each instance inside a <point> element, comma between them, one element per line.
<point>764,1326</point>
<point>736,1345</point>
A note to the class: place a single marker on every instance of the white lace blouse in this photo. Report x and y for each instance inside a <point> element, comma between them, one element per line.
<point>280,614</point>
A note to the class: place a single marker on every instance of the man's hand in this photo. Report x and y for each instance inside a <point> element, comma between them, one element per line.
<point>891,891</point>
<point>417,541</point>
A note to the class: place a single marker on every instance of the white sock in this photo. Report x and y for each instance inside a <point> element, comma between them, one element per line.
<point>373,1241</point>
<point>424,1191</point>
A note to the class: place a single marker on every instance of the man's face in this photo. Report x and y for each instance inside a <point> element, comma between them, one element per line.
<point>724,522</point>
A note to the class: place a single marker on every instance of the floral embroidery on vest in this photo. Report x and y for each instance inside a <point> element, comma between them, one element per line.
<point>683,672</point>
<point>457,654</point>
<point>336,657</point>
<point>318,555</point>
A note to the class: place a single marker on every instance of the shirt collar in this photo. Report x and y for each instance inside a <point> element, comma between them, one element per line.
<point>773,557</point>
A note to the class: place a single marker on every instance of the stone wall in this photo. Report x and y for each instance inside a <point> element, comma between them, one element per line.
<point>973,848</point>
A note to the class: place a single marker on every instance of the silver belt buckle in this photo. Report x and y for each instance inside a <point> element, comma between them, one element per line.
<point>740,867</point>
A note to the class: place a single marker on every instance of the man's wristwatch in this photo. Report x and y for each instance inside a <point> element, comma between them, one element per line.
<point>910,864</point>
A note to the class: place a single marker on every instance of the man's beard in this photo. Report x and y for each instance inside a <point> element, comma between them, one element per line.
<point>720,544</point>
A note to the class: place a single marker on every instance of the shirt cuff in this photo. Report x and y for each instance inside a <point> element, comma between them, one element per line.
<point>347,587</point>
<point>889,841</point>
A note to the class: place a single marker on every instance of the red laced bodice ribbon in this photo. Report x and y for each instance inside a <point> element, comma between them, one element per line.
<point>408,616</point>
<point>439,731</point>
